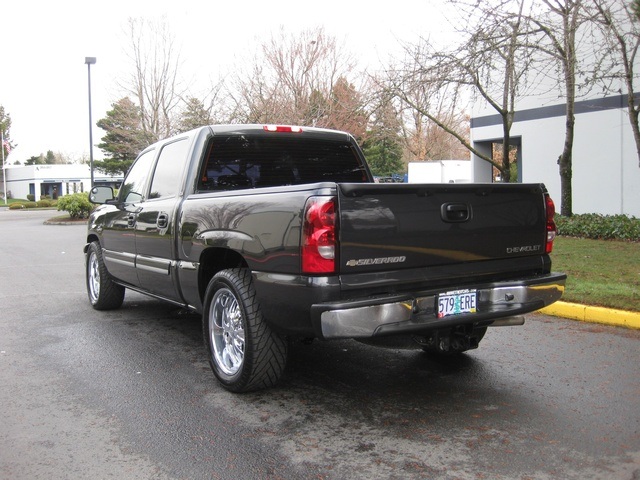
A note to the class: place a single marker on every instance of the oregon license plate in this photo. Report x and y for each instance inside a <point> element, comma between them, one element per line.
<point>455,303</point>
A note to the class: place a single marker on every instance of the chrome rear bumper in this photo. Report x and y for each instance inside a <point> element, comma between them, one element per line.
<point>407,313</point>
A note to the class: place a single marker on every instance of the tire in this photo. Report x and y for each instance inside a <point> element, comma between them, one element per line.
<point>104,293</point>
<point>244,353</point>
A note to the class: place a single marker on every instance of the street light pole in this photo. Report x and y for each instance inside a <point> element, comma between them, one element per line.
<point>90,61</point>
<point>4,170</point>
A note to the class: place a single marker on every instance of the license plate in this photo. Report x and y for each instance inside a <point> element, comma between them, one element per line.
<point>455,303</point>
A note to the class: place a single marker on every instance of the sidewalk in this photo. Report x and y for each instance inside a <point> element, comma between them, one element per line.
<point>587,313</point>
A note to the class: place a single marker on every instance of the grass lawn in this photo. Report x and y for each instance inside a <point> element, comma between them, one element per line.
<point>600,272</point>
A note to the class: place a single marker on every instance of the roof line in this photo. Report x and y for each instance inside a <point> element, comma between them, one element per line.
<point>582,106</point>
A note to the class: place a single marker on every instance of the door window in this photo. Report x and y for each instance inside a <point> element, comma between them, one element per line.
<point>134,184</point>
<point>168,173</point>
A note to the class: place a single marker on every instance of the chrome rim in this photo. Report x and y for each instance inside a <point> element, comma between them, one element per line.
<point>226,331</point>
<point>94,277</point>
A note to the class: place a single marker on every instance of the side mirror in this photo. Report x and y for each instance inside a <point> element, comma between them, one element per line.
<point>101,195</point>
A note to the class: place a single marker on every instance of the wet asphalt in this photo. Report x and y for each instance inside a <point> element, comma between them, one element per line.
<point>128,394</point>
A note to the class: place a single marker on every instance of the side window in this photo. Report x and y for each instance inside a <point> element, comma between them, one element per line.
<point>168,172</point>
<point>135,182</point>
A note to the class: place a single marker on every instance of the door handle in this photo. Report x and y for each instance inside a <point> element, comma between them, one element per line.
<point>163,220</point>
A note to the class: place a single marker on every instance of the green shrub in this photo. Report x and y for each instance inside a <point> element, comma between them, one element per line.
<point>31,198</point>
<point>44,203</point>
<point>77,205</point>
<point>16,206</point>
<point>30,204</point>
<point>599,227</point>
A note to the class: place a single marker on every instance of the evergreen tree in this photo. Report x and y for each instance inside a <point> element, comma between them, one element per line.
<point>125,137</point>
<point>36,160</point>
<point>383,154</point>
<point>193,116</point>
<point>347,110</point>
<point>382,144</point>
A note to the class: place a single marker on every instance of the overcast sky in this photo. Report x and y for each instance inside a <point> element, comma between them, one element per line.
<point>43,85</point>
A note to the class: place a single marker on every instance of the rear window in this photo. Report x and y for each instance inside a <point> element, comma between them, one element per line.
<point>245,161</point>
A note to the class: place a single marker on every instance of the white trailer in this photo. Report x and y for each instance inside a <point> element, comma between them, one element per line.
<point>440,171</point>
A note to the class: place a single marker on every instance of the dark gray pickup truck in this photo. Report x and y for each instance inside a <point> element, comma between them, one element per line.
<point>277,233</point>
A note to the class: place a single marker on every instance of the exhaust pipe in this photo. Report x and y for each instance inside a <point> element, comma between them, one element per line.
<point>508,321</point>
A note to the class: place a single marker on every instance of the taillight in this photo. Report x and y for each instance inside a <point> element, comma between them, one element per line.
<point>282,128</point>
<point>319,235</point>
<point>551,224</point>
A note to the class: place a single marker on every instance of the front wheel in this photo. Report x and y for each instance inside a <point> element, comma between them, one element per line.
<point>104,293</point>
<point>244,353</point>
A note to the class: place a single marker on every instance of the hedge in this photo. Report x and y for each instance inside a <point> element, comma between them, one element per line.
<point>599,227</point>
<point>19,205</point>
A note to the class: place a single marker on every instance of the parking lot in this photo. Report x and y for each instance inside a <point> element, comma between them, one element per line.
<point>129,394</point>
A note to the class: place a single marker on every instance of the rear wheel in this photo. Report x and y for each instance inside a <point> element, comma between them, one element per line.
<point>244,353</point>
<point>104,293</point>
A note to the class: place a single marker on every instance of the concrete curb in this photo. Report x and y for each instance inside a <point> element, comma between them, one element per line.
<point>63,222</point>
<point>585,313</point>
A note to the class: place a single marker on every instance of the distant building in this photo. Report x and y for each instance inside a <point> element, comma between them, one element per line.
<point>54,180</point>
<point>606,173</point>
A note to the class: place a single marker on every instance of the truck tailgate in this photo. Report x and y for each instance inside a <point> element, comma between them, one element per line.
<point>398,226</point>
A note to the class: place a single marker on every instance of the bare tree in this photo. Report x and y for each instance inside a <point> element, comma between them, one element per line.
<point>559,23</point>
<point>620,28</point>
<point>422,100</point>
<point>427,139</point>
<point>305,79</point>
<point>439,145</point>
<point>252,98</point>
<point>490,63</point>
<point>154,80</point>
<point>434,125</point>
<point>498,58</point>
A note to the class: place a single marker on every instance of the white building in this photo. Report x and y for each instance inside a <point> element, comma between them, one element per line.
<point>53,180</point>
<point>605,163</point>
<point>606,173</point>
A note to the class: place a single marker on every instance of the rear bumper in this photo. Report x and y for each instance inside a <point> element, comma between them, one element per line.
<point>416,313</point>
